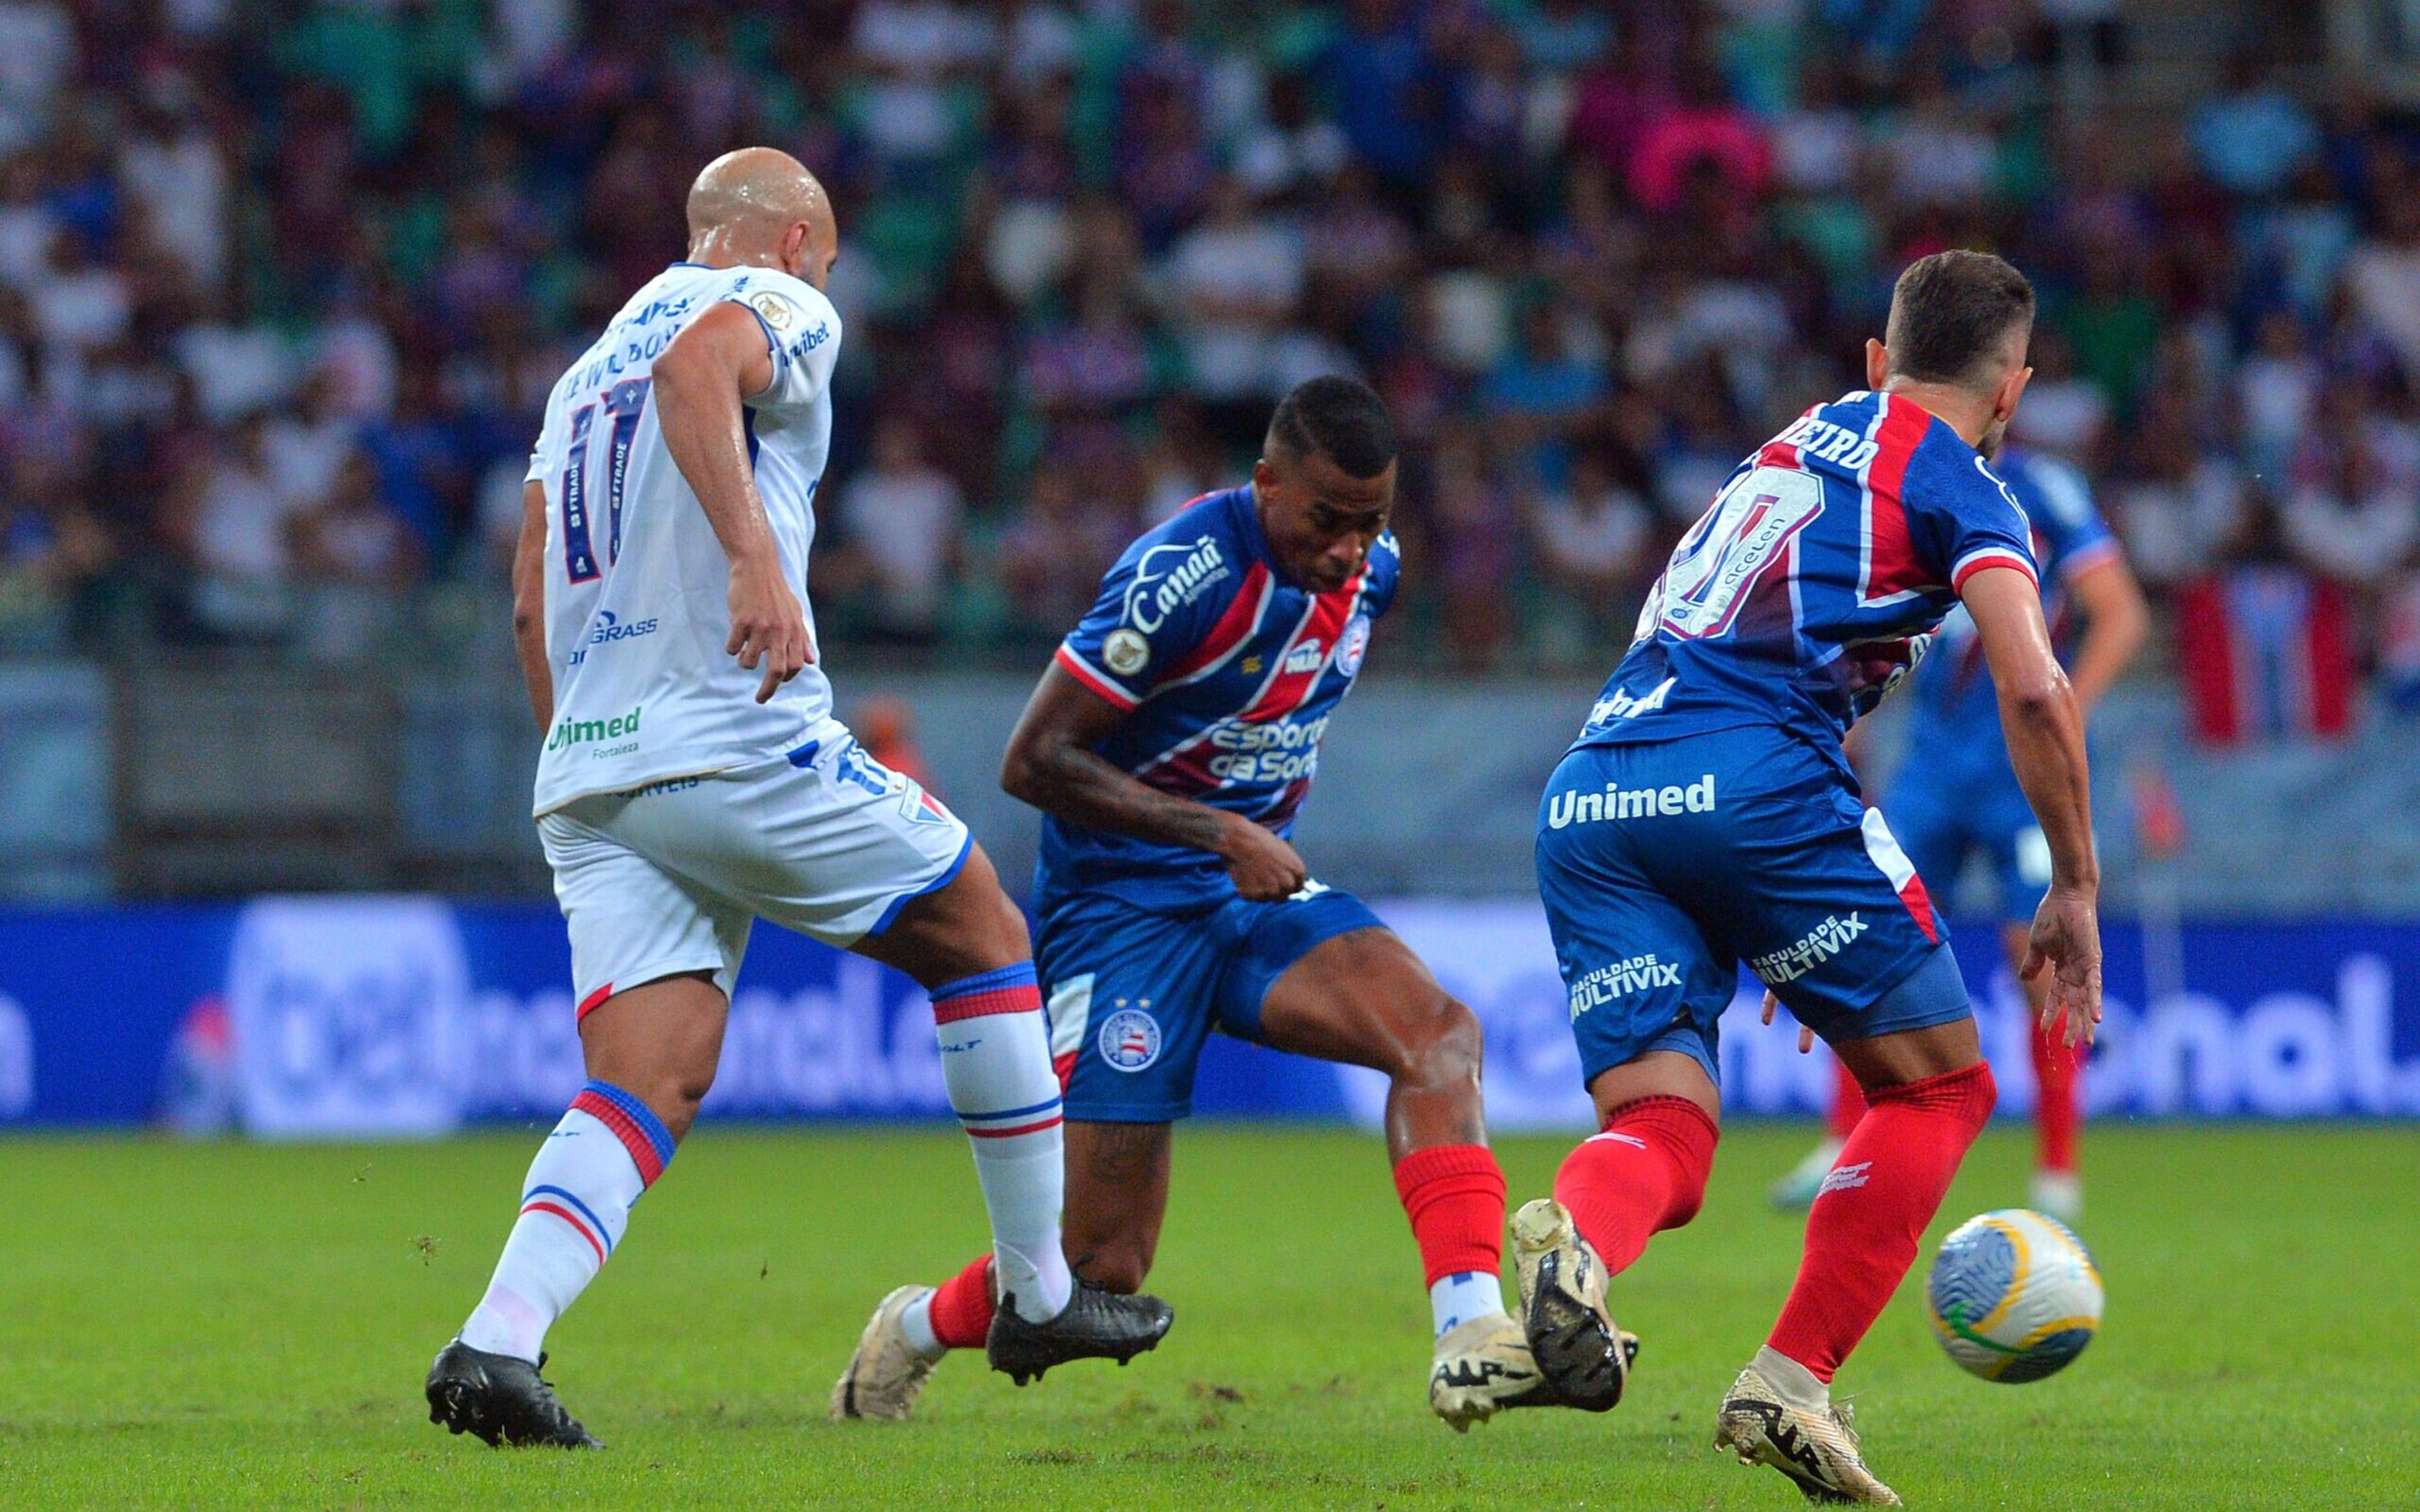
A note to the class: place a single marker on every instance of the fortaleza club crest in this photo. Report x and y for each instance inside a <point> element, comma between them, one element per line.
<point>1129,1039</point>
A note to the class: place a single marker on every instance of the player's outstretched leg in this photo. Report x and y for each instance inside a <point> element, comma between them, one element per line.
<point>1117,1191</point>
<point>1795,1190</point>
<point>1645,1172</point>
<point>651,1052</point>
<point>1930,1094</point>
<point>1360,996</point>
<point>966,944</point>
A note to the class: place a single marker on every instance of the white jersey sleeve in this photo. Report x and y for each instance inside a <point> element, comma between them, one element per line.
<point>804,331</point>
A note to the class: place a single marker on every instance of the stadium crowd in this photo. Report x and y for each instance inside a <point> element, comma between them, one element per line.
<point>276,317</point>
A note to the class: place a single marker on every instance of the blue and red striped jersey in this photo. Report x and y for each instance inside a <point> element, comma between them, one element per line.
<point>1816,582</point>
<point>1227,673</point>
<point>1957,713</point>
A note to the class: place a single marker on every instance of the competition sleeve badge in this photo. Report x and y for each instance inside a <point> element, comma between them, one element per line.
<point>1125,651</point>
<point>778,311</point>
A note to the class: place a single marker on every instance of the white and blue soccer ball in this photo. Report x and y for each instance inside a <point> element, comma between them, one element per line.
<point>2014,1296</point>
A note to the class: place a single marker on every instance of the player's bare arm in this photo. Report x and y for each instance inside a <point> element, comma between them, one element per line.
<point>2045,734</point>
<point>701,382</point>
<point>2115,621</point>
<point>1052,765</point>
<point>529,603</point>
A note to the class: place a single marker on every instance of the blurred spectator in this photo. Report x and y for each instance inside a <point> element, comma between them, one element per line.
<point>1235,279</point>
<point>1541,396</point>
<point>2178,506</point>
<point>904,515</point>
<point>1475,534</point>
<point>1053,557</point>
<point>231,525</point>
<point>2353,515</point>
<point>354,559</point>
<point>2265,647</point>
<point>1593,537</point>
<point>2253,137</point>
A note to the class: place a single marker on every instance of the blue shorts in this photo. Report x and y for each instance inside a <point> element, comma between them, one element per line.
<point>1665,866</point>
<point>1942,815</point>
<point>1134,994</point>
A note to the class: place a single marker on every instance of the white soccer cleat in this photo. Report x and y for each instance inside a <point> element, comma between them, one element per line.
<point>1818,1451</point>
<point>1572,1336</point>
<point>886,1372</point>
<point>1483,1367</point>
<point>2059,1193</point>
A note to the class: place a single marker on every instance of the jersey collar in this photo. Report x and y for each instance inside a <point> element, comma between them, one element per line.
<point>1255,544</point>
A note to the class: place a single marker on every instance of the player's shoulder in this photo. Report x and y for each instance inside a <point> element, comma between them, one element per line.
<point>1210,525</point>
<point>795,314</point>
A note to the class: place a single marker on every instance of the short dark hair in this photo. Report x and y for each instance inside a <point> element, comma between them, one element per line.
<point>1952,311</point>
<point>1340,418</point>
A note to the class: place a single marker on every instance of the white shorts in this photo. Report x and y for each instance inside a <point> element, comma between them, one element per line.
<point>667,878</point>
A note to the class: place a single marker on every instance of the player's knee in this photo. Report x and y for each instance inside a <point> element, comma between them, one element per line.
<point>1448,1047</point>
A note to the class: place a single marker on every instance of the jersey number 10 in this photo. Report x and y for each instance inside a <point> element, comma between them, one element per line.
<point>623,404</point>
<point>1726,553</point>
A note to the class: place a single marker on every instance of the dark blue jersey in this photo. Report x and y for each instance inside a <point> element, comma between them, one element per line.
<point>1957,716</point>
<point>1816,582</point>
<point>1228,673</point>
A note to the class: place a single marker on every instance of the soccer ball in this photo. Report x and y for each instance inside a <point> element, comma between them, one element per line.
<point>2013,1296</point>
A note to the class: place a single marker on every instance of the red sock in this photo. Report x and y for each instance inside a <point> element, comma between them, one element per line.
<point>1644,1174</point>
<point>961,1308</point>
<point>2057,1114</point>
<point>1862,1232</point>
<point>1847,1102</point>
<point>1454,1195</point>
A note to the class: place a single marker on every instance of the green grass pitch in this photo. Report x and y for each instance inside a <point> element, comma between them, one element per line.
<point>206,1326</point>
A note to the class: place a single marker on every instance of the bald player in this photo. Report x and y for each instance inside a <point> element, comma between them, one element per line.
<point>692,779</point>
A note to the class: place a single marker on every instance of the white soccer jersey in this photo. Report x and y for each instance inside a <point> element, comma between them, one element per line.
<point>637,586</point>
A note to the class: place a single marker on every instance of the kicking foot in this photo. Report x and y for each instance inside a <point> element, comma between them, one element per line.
<point>1484,1366</point>
<point>1094,1325</point>
<point>886,1372</point>
<point>1579,1350</point>
<point>500,1398</point>
<point>2059,1195</point>
<point>1817,1450</point>
<point>1796,1191</point>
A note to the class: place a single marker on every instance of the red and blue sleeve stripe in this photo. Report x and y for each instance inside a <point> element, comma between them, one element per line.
<point>1096,681</point>
<point>642,1132</point>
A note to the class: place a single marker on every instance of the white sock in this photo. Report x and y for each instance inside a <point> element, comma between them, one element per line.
<point>575,1205</point>
<point>1792,1382</point>
<point>1463,1296</point>
<point>996,1062</point>
<point>916,1323</point>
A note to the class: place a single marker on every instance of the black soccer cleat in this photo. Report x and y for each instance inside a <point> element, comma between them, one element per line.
<point>500,1398</point>
<point>1094,1325</point>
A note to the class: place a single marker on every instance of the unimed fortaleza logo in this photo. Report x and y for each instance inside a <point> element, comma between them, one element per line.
<point>570,732</point>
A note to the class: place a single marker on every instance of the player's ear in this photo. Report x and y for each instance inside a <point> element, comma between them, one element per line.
<point>2012,388</point>
<point>1877,364</point>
